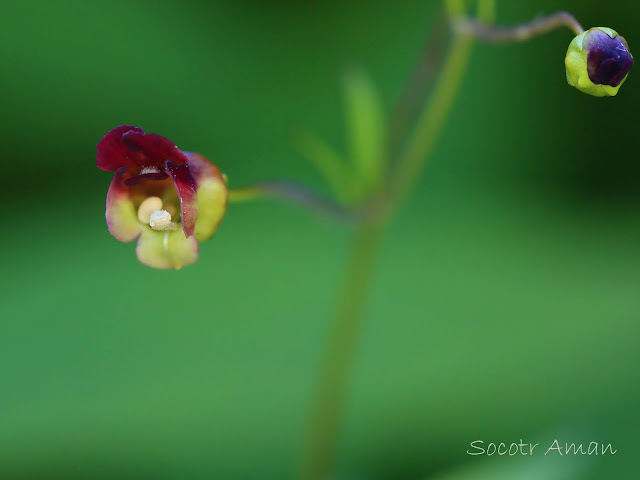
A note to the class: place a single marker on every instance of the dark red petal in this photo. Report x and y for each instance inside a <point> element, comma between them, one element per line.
<point>112,152</point>
<point>186,187</point>
<point>145,176</point>
<point>152,149</point>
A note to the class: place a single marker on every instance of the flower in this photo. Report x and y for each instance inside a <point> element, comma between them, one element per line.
<point>598,62</point>
<point>168,199</point>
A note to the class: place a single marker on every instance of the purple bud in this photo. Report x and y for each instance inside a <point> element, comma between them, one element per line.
<point>609,59</point>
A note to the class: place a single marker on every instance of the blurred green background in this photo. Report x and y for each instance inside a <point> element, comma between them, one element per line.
<point>505,305</point>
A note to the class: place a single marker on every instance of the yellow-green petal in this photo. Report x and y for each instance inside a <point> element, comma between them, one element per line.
<point>121,215</point>
<point>212,195</point>
<point>168,249</point>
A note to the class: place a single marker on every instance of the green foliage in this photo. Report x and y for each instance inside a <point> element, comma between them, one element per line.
<point>366,130</point>
<point>328,162</point>
<point>360,174</point>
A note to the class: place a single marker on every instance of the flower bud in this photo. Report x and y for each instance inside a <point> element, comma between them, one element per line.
<point>598,61</point>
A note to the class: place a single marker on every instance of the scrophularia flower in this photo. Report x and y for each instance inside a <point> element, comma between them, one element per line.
<point>166,198</point>
<point>598,61</point>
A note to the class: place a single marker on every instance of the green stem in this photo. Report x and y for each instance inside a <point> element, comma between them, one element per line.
<point>320,445</point>
<point>433,118</point>
<point>417,88</point>
<point>430,123</point>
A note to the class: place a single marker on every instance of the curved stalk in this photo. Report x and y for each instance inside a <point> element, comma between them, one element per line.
<point>298,194</point>
<point>517,33</point>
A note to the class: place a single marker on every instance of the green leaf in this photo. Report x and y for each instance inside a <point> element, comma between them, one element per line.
<point>367,140</point>
<point>328,162</point>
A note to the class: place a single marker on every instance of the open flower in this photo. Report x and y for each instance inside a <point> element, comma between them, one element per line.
<point>598,61</point>
<point>168,199</point>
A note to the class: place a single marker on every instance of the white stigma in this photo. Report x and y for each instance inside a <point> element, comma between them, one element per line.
<point>160,220</point>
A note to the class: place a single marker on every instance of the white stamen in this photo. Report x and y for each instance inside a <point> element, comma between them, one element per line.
<point>147,207</point>
<point>161,220</point>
